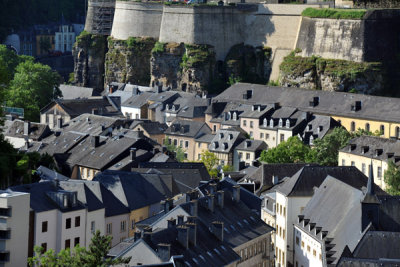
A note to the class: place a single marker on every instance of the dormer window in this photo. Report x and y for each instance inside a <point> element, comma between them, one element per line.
<point>378,152</point>
<point>173,107</point>
<point>309,127</point>
<point>259,108</point>
<point>352,147</point>
<point>221,135</point>
<point>364,149</point>
<point>320,128</point>
<point>265,122</point>
<point>287,123</point>
<point>234,116</point>
<point>224,146</point>
<point>65,201</point>
<point>280,122</point>
<point>311,139</point>
<point>228,116</point>
<point>230,136</point>
<point>215,144</point>
<point>271,123</point>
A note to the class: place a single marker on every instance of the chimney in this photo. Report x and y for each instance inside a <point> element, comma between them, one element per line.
<point>274,179</point>
<point>135,91</point>
<point>220,198</point>
<point>164,251</point>
<point>217,228</point>
<point>208,101</point>
<point>191,219</point>
<point>193,207</point>
<point>27,127</point>
<point>95,141</point>
<point>191,195</point>
<point>59,123</point>
<point>210,203</point>
<point>183,236</point>
<point>236,193</point>
<point>167,204</point>
<point>137,235</point>
<point>159,88</point>
<point>26,144</point>
<point>147,237</point>
<point>192,233</point>
<point>213,188</point>
<point>180,219</point>
<point>171,223</point>
<point>133,153</point>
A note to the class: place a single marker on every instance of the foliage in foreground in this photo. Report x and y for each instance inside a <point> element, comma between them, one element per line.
<point>332,13</point>
<point>95,256</point>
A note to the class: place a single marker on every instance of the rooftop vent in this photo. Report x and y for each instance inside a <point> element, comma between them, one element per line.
<point>248,94</point>
<point>356,106</point>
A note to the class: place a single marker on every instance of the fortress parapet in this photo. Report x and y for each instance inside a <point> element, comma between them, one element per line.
<point>100,16</point>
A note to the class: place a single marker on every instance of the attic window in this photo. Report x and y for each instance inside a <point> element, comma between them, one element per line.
<point>280,122</point>
<point>234,116</point>
<point>265,122</point>
<point>271,123</point>
<point>356,106</point>
<point>221,135</point>
<point>287,123</point>
<point>230,136</point>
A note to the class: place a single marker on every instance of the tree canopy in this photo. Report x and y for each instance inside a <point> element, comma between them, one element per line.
<point>392,179</point>
<point>34,85</point>
<point>179,152</point>
<point>95,256</point>
<point>291,151</point>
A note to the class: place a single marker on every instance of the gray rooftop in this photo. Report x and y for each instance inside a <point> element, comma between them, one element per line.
<point>75,92</point>
<point>225,140</point>
<point>187,128</point>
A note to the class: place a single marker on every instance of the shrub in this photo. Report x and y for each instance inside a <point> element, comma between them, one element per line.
<point>158,47</point>
<point>332,13</point>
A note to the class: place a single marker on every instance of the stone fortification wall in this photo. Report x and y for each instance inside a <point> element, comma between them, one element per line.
<point>377,3</point>
<point>342,39</point>
<point>99,17</point>
<point>354,40</point>
<point>135,19</point>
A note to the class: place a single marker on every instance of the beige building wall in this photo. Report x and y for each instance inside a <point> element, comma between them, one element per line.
<point>251,126</point>
<point>136,216</point>
<point>199,147</point>
<point>247,156</point>
<point>363,164</point>
<point>389,127</point>
<point>269,136</point>
<point>257,252</point>
<point>189,149</point>
<point>283,135</point>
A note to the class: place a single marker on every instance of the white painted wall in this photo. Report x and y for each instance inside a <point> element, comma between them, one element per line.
<point>116,233</point>
<point>74,231</point>
<point>302,256</point>
<point>49,237</point>
<point>19,225</point>
<point>134,113</point>
<point>98,217</point>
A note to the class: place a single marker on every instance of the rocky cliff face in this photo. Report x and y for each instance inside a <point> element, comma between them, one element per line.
<point>331,75</point>
<point>88,52</point>
<point>129,61</point>
<point>248,63</point>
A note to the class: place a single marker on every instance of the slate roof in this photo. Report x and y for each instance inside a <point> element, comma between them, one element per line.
<point>109,151</point>
<point>263,176</point>
<point>205,138</point>
<point>379,245</point>
<point>257,111</point>
<point>137,101</point>
<point>75,92</point>
<point>85,195</point>
<point>186,175</point>
<point>224,113</point>
<point>329,103</point>
<point>336,207</point>
<point>39,199</point>
<point>187,128</point>
<point>62,143</point>
<point>37,131</point>
<point>303,182</point>
<point>318,126</point>
<point>150,127</point>
<point>93,124</point>
<point>131,188</point>
<point>76,107</point>
<point>188,107</point>
<point>225,140</point>
<point>252,145</point>
<point>373,147</point>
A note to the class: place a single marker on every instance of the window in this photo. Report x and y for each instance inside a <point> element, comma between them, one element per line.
<point>302,244</point>
<point>267,136</point>
<point>247,155</point>
<point>215,128</point>
<point>284,211</point>
<point>397,132</point>
<point>282,137</point>
<point>261,135</point>
<point>44,246</point>
<point>186,143</point>
<point>244,123</point>
<point>44,227</point>
<point>283,234</point>
<point>109,228</point>
<point>175,142</point>
<point>76,241</point>
<point>181,143</point>
<point>240,155</point>
<point>280,209</point>
<point>363,168</point>
<point>198,156</point>
<point>92,226</point>
<point>379,173</point>
<point>352,126</point>
<point>68,223</point>
<point>251,134</point>
<point>343,162</point>
<point>251,124</point>
<point>77,221</point>
<point>320,257</point>
<point>133,224</point>
<point>308,248</point>
<point>382,129</point>
<point>67,243</point>
<point>353,163</point>
<point>186,155</point>
<point>297,240</point>
<point>367,127</point>
<point>123,226</point>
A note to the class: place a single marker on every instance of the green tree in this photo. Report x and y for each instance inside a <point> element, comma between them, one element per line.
<point>34,85</point>
<point>326,150</point>
<point>392,179</point>
<point>95,256</point>
<point>210,160</point>
<point>291,151</point>
<point>179,152</point>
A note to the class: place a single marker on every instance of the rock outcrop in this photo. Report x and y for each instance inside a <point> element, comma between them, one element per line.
<point>331,75</point>
<point>129,61</point>
<point>89,53</point>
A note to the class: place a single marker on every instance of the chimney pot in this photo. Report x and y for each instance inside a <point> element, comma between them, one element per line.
<point>133,153</point>
<point>192,233</point>
<point>217,228</point>
<point>183,236</point>
<point>27,128</point>
<point>236,193</point>
<point>95,141</point>
<point>220,198</point>
<point>164,251</point>
<point>193,207</point>
<point>210,202</point>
